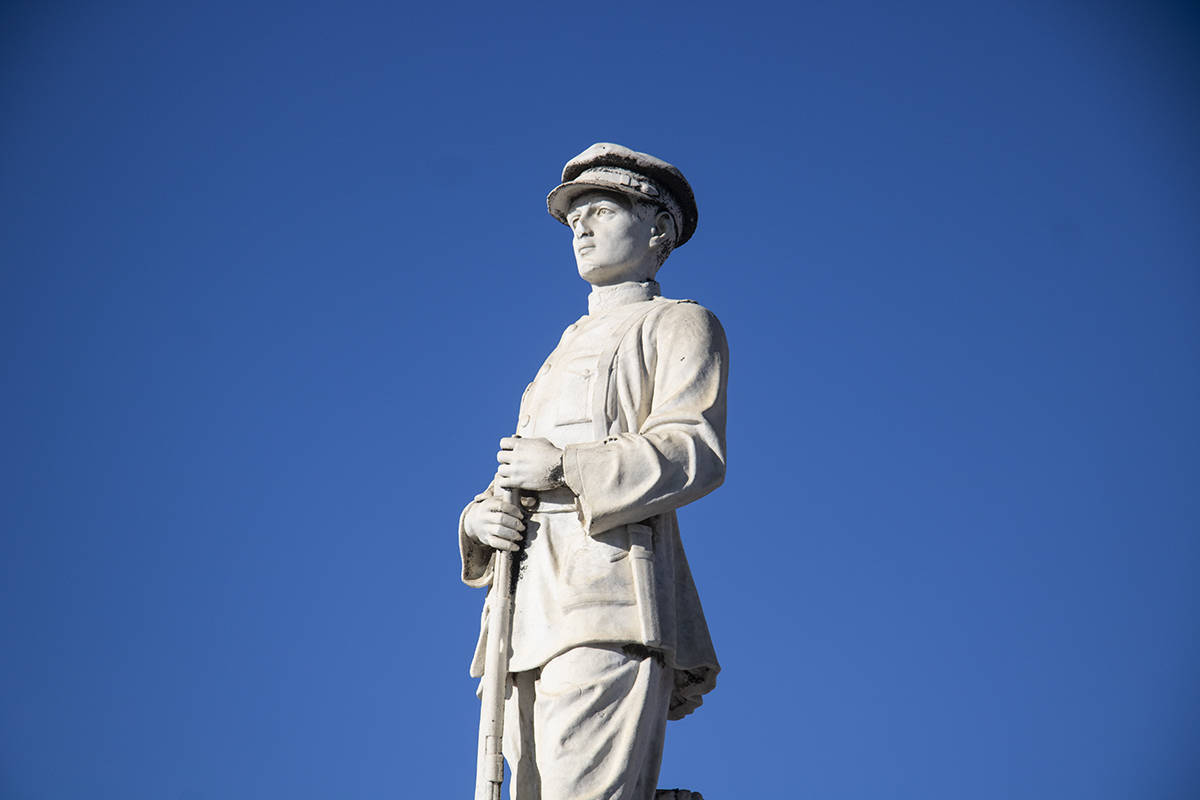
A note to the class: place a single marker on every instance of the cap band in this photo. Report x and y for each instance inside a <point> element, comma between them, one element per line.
<point>617,179</point>
<point>623,177</point>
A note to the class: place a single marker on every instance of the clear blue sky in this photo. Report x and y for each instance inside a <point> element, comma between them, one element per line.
<point>274,277</point>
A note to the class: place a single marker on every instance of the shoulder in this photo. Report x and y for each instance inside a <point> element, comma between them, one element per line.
<point>686,313</point>
<point>686,321</point>
<point>567,331</point>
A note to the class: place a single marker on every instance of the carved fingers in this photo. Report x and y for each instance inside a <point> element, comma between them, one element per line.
<point>530,464</point>
<point>495,523</point>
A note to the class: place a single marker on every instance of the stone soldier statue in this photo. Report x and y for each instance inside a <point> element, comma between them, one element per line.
<point>623,424</point>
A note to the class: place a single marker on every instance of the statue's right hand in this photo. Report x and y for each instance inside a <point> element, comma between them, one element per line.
<point>495,523</point>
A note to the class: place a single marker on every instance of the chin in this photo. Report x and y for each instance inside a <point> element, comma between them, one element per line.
<point>607,275</point>
<point>592,274</point>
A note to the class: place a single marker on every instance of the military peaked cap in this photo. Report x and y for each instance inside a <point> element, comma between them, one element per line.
<point>615,168</point>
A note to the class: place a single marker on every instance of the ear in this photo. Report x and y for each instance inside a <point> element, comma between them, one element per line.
<point>664,229</point>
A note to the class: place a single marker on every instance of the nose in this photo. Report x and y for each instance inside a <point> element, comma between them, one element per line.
<point>581,227</point>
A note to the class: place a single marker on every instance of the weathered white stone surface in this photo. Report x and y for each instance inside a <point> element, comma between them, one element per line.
<point>623,424</point>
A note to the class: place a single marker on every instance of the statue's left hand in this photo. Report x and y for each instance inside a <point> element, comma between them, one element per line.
<point>534,465</point>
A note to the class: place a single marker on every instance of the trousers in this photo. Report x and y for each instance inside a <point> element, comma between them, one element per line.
<point>588,725</point>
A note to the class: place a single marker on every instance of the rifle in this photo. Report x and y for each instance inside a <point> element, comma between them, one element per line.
<point>489,768</point>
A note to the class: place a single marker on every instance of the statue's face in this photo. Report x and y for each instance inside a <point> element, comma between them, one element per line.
<point>611,243</point>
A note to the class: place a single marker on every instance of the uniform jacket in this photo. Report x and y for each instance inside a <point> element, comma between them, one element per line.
<point>634,394</point>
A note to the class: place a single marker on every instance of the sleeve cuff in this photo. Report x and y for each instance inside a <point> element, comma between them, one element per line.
<point>573,455</point>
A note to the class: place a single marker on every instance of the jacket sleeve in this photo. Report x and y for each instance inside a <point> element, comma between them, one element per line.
<point>677,455</point>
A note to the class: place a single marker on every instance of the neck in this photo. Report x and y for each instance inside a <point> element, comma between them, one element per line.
<point>605,298</point>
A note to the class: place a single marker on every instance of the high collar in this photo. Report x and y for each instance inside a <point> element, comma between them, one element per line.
<point>606,298</point>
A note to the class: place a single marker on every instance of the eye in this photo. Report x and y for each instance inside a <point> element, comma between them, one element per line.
<point>603,211</point>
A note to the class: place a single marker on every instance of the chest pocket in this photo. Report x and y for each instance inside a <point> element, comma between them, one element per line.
<point>575,384</point>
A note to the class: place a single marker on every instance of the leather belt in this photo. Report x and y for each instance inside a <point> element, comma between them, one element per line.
<point>556,501</point>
